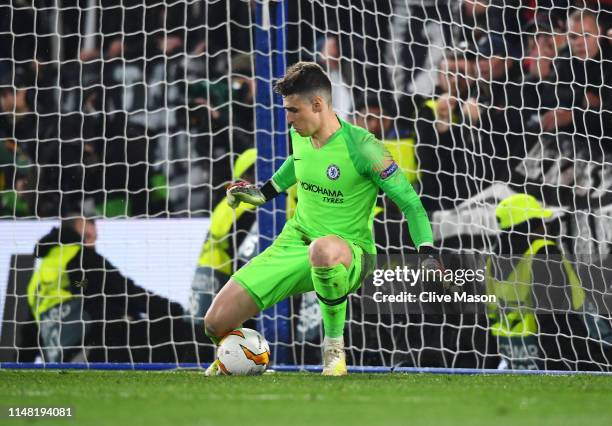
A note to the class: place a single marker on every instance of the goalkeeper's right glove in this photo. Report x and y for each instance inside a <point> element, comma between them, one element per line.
<point>244,192</point>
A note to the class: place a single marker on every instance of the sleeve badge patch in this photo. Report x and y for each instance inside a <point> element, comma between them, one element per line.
<point>389,170</point>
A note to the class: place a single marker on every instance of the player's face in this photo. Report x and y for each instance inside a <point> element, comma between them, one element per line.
<point>302,115</point>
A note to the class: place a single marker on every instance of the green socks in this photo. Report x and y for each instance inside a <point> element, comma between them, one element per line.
<point>331,285</point>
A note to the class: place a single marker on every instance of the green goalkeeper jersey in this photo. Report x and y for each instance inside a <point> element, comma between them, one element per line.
<point>337,186</point>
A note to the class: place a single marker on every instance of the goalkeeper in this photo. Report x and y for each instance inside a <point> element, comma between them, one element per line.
<point>338,168</point>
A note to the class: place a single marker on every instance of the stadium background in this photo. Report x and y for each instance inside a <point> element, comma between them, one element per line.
<point>141,110</point>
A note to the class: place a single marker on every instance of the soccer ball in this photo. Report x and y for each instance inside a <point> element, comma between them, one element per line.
<point>243,352</point>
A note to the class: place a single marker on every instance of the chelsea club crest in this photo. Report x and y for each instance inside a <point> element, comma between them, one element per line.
<point>333,172</point>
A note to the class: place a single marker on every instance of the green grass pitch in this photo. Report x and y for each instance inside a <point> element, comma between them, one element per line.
<point>294,399</point>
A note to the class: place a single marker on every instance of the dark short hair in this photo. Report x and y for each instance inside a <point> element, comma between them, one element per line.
<point>68,224</point>
<point>304,78</point>
<point>378,99</point>
<point>497,45</point>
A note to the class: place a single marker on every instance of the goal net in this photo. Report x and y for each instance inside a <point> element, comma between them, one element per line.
<point>139,114</point>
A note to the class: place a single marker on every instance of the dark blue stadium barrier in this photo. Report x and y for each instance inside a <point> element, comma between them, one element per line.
<point>271,143</point>
<point>285,368</point>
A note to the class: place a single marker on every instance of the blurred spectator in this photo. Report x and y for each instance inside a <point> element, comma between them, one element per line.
<point>18,119</point>
<point>583,76</point>
<point>541,302</point>
<point>378,113</point>
<point>493,116</point>
<point>363,35</point>
<point>82,302</point>
<point>101,92</point>
<point>479,18</point>
<point>544,45</point>
<point>340,74</point>
<point>142,81</point>
<point>13,180</point>
<point>545,37</point>
<point>440,147</point>
<point>421,29</point>
<point>571,112</point>
<point>474,19</point>
<point>221,117</point>
<point>35,144</point>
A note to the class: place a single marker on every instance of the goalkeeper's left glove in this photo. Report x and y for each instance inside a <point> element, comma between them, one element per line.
<point>244,192</point>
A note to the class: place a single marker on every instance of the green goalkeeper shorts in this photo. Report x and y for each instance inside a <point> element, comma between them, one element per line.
<point>283,270</point>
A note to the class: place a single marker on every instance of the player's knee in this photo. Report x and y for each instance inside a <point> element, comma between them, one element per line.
<point>328,251</point>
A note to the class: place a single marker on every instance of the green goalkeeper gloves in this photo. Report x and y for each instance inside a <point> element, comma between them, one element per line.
<point>244,192</point>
